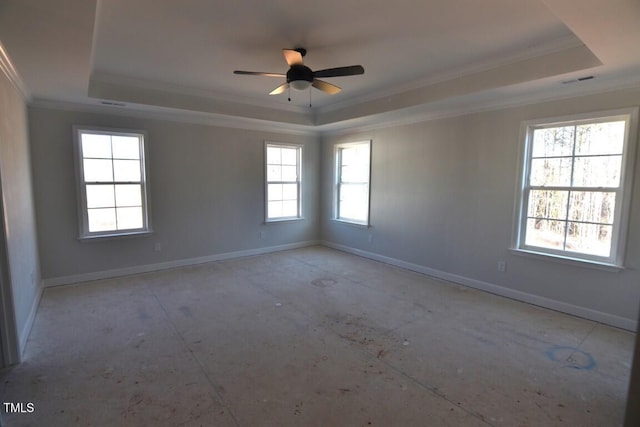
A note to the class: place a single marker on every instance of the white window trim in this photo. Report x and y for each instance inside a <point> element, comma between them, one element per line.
<point>300,216</point>
<point>83,221</point>
<point>621,217</point>
<point>336,184</point>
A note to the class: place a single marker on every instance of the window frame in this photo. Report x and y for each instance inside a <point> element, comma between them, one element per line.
<point>298,182</point>
<point>616,258</point>
<point>83,222</point>
<point>338,183</point>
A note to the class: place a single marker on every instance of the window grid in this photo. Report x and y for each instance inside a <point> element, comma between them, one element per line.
<point>353,168</point>
<point>283,182</point>
<point>590,207</point>
<point>113,197</point>
<point>570,190</point>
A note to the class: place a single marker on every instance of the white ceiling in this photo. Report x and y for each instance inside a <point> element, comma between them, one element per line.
<point>418,55</point>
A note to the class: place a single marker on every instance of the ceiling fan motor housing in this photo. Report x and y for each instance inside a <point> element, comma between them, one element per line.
<point>299,72</point>
<point>301,77</point>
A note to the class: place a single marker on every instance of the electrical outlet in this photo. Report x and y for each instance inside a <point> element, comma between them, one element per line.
<point>157,247</point>
<point>370,238</point>
<point>502,266</point>
<point>263,234</point>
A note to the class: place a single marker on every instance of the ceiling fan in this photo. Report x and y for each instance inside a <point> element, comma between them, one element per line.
<point>300,77</point>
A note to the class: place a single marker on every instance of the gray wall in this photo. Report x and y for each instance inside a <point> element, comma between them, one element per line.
<point>206,195</point>
<point>19,215</point>
<point>442,200</point>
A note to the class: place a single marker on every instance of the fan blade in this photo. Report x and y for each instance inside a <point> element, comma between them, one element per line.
<point>293,57</point>
<point>340,71</point>
<point>325,87</point>
<point>279,89</point>
<point>258,73</point>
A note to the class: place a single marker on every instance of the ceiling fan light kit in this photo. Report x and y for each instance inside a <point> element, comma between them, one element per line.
<point>299,84</point>
<point>300,77</point>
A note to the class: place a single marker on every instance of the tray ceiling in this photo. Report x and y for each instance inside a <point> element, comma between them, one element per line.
<point>180,56</point>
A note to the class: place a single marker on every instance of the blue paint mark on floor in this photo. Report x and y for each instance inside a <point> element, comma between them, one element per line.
<point>572,357</point>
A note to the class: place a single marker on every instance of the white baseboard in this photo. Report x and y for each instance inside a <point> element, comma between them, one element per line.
<point>23,334</point>
<point>137,269</point>
<point>586,313</point>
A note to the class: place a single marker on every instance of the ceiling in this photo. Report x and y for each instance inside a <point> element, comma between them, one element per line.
<point>420,57</point>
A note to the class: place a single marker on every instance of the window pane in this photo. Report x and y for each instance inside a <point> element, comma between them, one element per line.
<point>353,182</point>
<point>600,138</point>
<point>274,156</point>
<point>290,192</point>
<point>551,172</point>
<point>545,234</point>
<point>552,142</point>
<point>584,159</point>
<point>355,164</point>
<point>274,192</point>
<point>100,196</point>
<point>358,172</point>
<point>355,211</point>
<point>274,173</point>
<point>97,146</point>
<point>126,170</point>
<point>289,208</point>
<point>108,158</point>
<point>345,173</point>
<point>591,206</point>
<point>129,218</point>
<point>289,156</point>
<point>282,166</point>
<point>349,156</point>
<point>129,195</point>
<point>548,204</point>
<point>601,171</point>
<point>274,209</point>
<point>97,170</point>
<point>590,239</point>
<point>289,173</point>
<point>126,147</point>
<point>354,201</point>
<point>101,219</point>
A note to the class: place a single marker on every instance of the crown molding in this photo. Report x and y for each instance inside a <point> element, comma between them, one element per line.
<point>442,109</point>
<point>99,77</point>
<point>175,115</point>
<point>7,67</point>
<point>445,109</point>
<point>417,114</point>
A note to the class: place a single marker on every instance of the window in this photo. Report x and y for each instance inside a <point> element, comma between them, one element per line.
<point>574,199</point>
<point>112,182</point>
<point>283,182</point>
<point>352,182</point>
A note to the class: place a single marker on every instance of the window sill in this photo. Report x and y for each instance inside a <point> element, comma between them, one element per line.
<point>115,236</point>
<point>354,223</point>
<point>281,220</point>
<point>578,262</point>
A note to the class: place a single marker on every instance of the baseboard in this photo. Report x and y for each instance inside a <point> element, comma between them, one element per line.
<point>586,313</point>
<point>28,325</point>
<point>127,271</point>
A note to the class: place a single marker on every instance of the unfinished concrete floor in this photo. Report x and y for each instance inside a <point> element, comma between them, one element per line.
<point>311,337</point>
